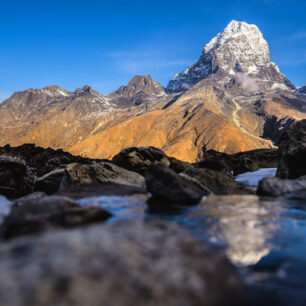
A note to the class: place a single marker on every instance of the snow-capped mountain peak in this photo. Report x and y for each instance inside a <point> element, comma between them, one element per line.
<point>245,44</point>
<point>240,48</point>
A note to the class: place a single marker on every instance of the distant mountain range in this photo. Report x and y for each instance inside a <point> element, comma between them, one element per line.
<point>232,99</point>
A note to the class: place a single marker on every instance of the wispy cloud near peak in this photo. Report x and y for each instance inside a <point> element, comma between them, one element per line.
<point>143,61</point>
<point>298,36</point>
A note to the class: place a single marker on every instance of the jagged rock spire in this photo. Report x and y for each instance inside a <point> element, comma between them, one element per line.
<point>240,48</point>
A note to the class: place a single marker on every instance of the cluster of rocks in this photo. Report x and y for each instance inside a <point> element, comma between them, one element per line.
<point>290,178</point>
<point>164,266</point>
<point>240,162</point>
<point>29,170</point>
<point>148,262</point>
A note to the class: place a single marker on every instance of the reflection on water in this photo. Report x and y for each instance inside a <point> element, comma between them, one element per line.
<point>245,224</point>
<point>121,207</point>
<point>5,205</point>
<point>265,238</point>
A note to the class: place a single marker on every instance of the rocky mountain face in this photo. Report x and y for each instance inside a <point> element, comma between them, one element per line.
<point>141,90</point>
<point>232,99</point>
<point>301,92</point>
<point>54,117</point>
<point>239,54</point>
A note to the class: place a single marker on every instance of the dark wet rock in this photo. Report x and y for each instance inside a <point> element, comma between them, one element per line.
<point>214,164</point>
<point>241,162</point>
<point>101,173</point>
<point>292,151</point>
<point>217,182</point>
<point>42,160</point>
<point>125,263</point>
<point>90,190</point>
<point>178,166</point>
<point>274,186</point>
<point>169,188</point>
<point>215,160</point>
<point>57,162</point>
<point>50,182</point>
<point>39,214</point>
<point>139,159</point>
<point>15,178</point>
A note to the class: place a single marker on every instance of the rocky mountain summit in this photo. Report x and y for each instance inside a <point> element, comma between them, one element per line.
<point>238,54</point>
<point>232,99</point>
<point>141,89</point>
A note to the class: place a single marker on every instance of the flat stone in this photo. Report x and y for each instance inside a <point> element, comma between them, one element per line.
<point>36,215</point>
<point>274,186</point>
<point>100,173</point>
<point>217,182</point>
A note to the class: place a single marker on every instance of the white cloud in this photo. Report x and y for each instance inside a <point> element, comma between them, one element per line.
<point>143,61</point>
<point>246,82</point>
<point>298,36</point>
<point>140,65</point>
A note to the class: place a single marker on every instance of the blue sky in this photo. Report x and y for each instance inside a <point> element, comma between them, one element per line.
<point>71,43</point>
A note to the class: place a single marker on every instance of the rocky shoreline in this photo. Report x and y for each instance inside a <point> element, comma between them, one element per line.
<point>46,233</point>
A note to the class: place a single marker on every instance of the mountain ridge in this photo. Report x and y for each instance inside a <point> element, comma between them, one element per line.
<point>232,103</point>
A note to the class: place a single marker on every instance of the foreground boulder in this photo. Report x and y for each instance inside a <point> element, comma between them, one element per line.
<point>15,178</point>
<point>241,162</point>
<point>126,263</point>
<point>170,188</point>
<point>91,190</point>
<point>292,151</point>
<point>34,215</point>
<point>274,186</point>
<point>101,173</point>
<point>139,159</point>
<point>217,182</point>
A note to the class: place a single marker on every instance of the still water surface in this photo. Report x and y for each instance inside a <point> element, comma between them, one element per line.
<point>264,237</point>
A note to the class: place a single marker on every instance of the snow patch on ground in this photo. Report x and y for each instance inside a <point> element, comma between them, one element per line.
<point>5,206</point>
<point>252,178</point>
